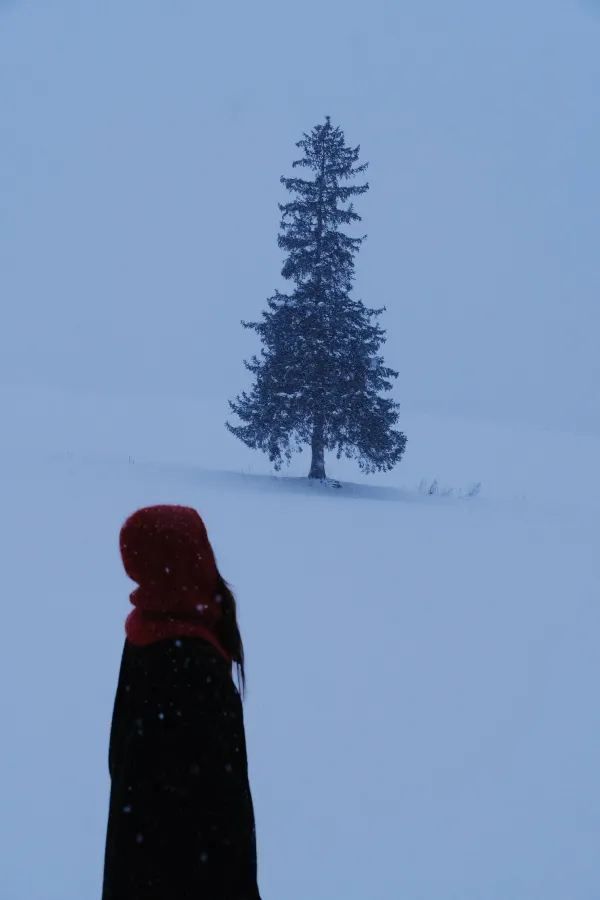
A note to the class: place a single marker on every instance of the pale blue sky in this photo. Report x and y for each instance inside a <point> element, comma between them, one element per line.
<point>141,145</point>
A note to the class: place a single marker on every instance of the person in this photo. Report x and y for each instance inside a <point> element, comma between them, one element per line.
<point>181,820</point>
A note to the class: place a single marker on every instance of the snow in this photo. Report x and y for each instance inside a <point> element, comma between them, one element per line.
<point>422,716</point>
<point>422,713</point>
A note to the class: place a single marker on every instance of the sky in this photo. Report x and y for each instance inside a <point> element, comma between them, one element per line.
<point>141,146</point>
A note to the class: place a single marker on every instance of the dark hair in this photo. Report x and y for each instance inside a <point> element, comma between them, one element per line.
<point>228,631</point>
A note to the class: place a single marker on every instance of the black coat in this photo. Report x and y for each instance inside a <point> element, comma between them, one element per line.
<point>181,822</point>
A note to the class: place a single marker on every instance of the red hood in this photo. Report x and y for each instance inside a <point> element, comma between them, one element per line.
<point>166,551</point>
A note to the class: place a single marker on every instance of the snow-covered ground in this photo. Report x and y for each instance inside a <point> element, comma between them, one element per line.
<point>423,719</point>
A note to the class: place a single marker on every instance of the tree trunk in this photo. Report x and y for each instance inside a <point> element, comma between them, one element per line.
<point>317,468</point>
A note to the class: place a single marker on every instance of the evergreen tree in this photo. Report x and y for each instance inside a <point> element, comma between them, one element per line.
<point>320,377</point>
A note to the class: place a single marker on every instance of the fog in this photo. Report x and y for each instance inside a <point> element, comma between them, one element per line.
<point>141,146</point>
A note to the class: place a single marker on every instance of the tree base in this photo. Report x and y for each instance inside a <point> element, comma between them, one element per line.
<point>325,482</point>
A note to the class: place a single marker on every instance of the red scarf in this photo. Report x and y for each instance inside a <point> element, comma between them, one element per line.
<point>166,550</point>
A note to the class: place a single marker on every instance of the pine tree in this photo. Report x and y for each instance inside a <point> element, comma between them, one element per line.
<point>320,377</point>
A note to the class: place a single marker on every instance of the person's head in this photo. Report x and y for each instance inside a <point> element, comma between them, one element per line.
<point>166,551</point>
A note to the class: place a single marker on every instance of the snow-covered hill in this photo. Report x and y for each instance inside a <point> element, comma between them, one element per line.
<point>422,718</point>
